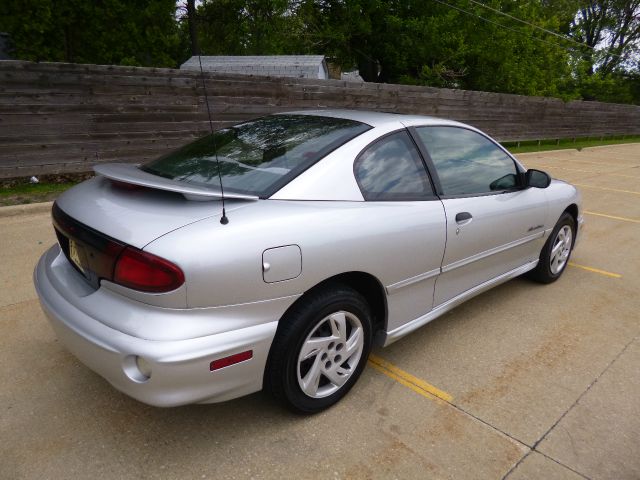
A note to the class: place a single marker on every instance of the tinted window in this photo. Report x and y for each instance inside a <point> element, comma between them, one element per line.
<point>467,162</point>
<point>391,169</point>
<point>260,156</point>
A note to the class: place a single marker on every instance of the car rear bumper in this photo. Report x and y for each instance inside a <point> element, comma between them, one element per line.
<point>180,372</point>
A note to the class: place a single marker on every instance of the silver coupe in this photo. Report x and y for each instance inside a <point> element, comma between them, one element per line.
<point>274,253</point>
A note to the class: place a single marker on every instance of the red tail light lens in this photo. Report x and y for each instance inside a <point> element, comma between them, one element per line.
<point>232,360</point>
<point>146,272</point>
<point>126,186</point>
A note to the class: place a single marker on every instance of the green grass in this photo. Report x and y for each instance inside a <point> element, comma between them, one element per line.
<point>579,143</point>
<point>35,188</point>
<point>22,193</point>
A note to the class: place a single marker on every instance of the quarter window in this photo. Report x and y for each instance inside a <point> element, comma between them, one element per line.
<point>392,169</point>
<point>468,163</point>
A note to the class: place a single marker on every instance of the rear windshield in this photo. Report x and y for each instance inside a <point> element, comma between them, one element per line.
<point>257,157</point>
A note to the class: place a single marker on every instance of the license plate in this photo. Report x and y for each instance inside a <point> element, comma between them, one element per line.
<point>74,255</point>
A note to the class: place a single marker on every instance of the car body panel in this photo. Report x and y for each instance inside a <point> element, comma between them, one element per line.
<point>150,322</point>
<point>315,228</point>
<point>180,372</point>
<point>134,216</point>
<point>474,252</point>
<point>409,246</point>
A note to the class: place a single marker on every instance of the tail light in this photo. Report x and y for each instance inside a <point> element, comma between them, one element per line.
<point>126,186</point>
<point>146,272</point>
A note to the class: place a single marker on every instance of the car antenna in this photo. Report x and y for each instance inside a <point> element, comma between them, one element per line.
<point>224,220</point>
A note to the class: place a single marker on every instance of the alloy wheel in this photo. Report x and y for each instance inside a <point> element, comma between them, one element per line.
<point>561,249</point>
<point>330,354</point>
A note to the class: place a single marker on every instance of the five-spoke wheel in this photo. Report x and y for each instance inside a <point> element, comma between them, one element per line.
<point>561,249</point>
<point>330,354</point>
<point>555,254</point>
<point>320,349</point>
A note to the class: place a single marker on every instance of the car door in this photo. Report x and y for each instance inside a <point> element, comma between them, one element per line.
<point>410,219</point>
<point>494,226</point>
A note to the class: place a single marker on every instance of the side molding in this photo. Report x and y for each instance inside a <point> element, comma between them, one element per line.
<point>387,338</point>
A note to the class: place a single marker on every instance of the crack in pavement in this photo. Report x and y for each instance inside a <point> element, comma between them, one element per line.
<point>533,448</point>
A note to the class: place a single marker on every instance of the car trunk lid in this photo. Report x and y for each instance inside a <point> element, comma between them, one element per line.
<point>134,216</point>
<point>97,219</point>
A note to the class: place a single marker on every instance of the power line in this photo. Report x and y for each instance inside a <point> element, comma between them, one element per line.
<point>550,32</point>
<point>556,34</point>
<point>520,32</point>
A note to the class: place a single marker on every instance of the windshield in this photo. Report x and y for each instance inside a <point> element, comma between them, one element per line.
<point>257,157</point>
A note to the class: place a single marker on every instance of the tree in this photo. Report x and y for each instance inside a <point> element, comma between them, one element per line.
<point>120,32</point>
<point>193,27</point>
<point>610,29</point>
<point>248,27</point>
<point>564,48</point>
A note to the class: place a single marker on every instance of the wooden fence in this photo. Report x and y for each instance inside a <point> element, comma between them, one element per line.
<point>57,117</point>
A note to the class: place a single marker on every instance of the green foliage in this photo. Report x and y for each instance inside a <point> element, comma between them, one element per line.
<point>119,32</point>
<point>487,45</point>
<point>239,27</point>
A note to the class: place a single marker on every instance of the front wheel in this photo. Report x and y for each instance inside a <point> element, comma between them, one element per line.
<point>555,254</point>
<point>320,349</point>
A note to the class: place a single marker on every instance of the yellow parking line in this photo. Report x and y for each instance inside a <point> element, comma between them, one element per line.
<point>419,386</point>
<point>596,270</point>
<point>623,219</point>
<point>605,188</point>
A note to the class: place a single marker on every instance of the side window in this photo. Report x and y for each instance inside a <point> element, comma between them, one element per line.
<point>391,169</point>
<point>467,162</point>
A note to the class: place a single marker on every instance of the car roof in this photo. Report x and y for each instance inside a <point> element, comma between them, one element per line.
<point>376,119</point>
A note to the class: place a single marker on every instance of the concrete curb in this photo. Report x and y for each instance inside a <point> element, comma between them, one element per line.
<point>26,209</point>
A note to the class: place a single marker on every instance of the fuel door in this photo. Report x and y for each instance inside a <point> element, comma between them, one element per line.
<point>281,263</point>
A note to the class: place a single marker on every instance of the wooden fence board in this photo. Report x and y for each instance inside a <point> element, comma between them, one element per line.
<point>57,117</point>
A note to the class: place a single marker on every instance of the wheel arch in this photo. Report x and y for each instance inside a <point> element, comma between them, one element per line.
<point>366,285</point>
<point>574,212</point>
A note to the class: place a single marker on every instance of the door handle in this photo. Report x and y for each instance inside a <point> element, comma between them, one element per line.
<point>463,217</point>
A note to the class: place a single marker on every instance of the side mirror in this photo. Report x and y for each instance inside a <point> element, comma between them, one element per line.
<point>537,179</point>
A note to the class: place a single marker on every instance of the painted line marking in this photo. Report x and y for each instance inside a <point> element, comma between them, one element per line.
<point>623,219</point>
<point>607,189</point>
<point>414,383</point>
<point>596,270</point>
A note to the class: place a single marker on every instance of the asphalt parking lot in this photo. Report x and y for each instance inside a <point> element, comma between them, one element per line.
<point>524,381</point>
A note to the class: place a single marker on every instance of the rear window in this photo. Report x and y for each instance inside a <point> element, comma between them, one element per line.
<point>257,157</point>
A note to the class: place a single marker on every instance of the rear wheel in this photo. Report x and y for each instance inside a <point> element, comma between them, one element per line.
<point>320,349</point>
<point>556,251</point>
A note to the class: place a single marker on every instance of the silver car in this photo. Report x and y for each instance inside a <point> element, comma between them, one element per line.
<point>335,230</point>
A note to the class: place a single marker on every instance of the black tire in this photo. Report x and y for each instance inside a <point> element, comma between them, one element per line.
<point>309,317</point>
<point>543,272</point>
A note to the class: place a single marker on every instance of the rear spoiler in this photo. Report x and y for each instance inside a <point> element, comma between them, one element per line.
<point>128,173</point>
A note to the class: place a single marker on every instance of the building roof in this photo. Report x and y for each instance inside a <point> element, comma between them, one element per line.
<point>299,66</point>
